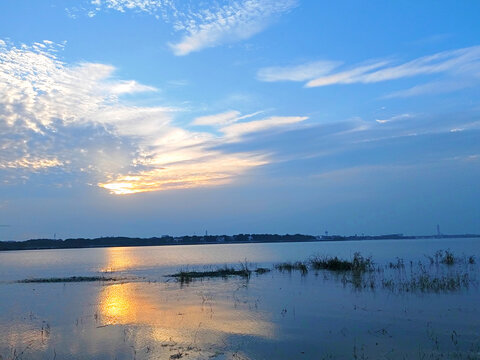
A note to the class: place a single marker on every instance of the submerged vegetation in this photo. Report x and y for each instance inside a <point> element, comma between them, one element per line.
<point>357,264</point>
<point>425,282</point>
<point>69,279</point>
<point>442,273</point>
<point>289,266</point>
<point>447,257</point>
<point>361,272</point>
<point>222,272</point>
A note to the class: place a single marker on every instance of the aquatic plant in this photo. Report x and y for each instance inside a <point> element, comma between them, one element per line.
<point>447,257</point>
<point>398,265</point>
<point>187,276</point>
<point>289,267</point>
<point>357,264</point>
<point>425,282</point>
<point>262,270</point>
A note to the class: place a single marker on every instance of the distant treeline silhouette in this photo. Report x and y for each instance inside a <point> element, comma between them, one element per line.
<point>154,241</point>
<point>36,244</point>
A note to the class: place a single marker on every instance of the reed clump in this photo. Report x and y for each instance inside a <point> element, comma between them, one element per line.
<point>425,282</point>
<point>357,264</point>
<point>262,270</point>
<point>185,276</point>
<point>291,266</point>
<point>447,257</point>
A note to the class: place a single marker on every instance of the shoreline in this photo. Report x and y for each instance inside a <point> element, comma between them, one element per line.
<point>107,242</point>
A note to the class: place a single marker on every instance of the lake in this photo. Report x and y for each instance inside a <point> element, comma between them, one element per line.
<point>417,307</point>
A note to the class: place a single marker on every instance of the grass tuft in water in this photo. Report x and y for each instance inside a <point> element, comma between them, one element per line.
<point>357,264</point>
<point>261,270</point>
<point>289,267</point>
<point>425,282</point>
<point>187,276</point>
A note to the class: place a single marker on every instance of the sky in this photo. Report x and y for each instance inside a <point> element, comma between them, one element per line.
<point>154,117</point>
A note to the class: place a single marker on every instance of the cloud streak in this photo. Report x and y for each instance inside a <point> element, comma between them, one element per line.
<point>203,26</point>
<point>460,64</point>
<point>235,21</point>
<point>297,73</point>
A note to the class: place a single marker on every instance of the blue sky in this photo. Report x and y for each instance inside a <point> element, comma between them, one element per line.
<point>151,117</point>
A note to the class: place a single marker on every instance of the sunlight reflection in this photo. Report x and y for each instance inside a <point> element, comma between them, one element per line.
<point>180,315</point>
<point>119,259</point>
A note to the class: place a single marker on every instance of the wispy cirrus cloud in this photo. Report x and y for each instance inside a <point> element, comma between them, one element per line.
<point>203,24</point>
<point>461,64</point>
<point>217,119</point>
<point>223,118</point>
<point>230,124</point>
<point>72,118</point>
<point>234,21</point>
<point>237,130</point>
<point>394,118</point>
<point>434,87</point>
<point>301,72</point>
<point>454,61</point>
<point>149,6</point>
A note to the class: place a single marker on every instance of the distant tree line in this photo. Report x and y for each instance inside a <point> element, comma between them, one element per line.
<point>36,244</point>
<point>154,241</point>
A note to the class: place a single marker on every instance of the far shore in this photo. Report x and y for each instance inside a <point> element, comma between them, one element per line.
<point>102,242</point>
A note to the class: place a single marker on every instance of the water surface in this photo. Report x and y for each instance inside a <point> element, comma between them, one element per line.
<point>271,316</point>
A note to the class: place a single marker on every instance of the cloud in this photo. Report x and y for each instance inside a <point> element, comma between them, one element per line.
<point>434,87</point>
<point>71,118</point>
<point>237,130</point>
<point>297,73</point>
<point>203,24</point>
<point>212,168</point>
<point>460,61</point>
<point>149,6</point>
<point>462,65</point>
<point>394,118</point>
<point>31,163</point>
<point>222,119</point>
<point>130,87</point>
<point>237,20</point>
<point>217,119</point>
<point>345,77</point>
<point>229,123</point>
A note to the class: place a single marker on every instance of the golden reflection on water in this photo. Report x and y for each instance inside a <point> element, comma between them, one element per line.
<point>160,313</point>
<point>120,259</point>
<point>176,314</point>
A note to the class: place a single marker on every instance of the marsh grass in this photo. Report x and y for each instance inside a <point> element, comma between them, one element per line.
<point>446,272</point>
<point>262,270</point>
<point>69,279</point>
<point>357,264</point>
<point>425,282</point>
<point>447,257</point>
<point>292,266</point>
<point>185,276</point>
<point>397,265</point>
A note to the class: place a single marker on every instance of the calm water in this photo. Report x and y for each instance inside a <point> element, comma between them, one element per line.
<point>270,316</point>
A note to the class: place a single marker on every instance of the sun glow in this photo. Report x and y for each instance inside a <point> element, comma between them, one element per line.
<point>212,170</point>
